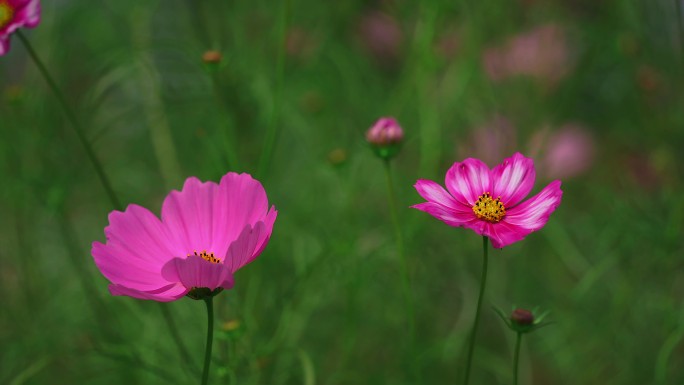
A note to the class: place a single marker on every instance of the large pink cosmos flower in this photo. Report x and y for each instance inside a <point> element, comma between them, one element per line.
<point>207,232</point>
<point>488,201</point>
<point>15,14</point>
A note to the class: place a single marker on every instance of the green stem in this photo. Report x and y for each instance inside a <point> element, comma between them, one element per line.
<point>210,337</point>
<point>231,140</point>
<point>473,332</point>
<point>272,133</point>
<point>182,350</point>
<point>516,358</point>
<point>680,27</point>
<point>71,116</point>
<point>400,251</point>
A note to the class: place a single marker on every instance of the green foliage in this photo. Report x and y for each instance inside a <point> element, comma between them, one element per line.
<point>324,304</point>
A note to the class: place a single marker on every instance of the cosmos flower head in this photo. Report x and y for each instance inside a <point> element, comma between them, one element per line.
<point>489,201</point>
<point>385,136</point>
<point>15,14</point>
<point>206,233</point>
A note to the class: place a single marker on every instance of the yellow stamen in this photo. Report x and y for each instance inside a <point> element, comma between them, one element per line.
<point>6,13</point>
<point>206,256</point>
<point>488,209</point>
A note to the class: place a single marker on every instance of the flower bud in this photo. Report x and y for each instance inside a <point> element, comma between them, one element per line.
<point>522,317</point>
<point>385,137</point>
<point>211,57</point>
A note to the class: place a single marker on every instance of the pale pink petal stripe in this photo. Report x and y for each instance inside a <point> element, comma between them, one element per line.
<point>533,214</point>
<point>433,192</point>
<point>449,216</point>
<point>467,180</point>
<point>513,179</point>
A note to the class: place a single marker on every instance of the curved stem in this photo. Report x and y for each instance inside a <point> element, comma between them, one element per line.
<point>182,350</point>
<point>516,358</point>
<point>473,332</point>
<point>402,257</point>
<point>210,337</point>
<point>71,116</point>
<point>272,133</point>
<point>400,246</point>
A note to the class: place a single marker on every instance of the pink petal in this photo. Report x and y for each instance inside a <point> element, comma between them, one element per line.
<point>194,271</point>
<point>244,249</point>
<point>29,14</point>
<point>167,293</point>
<point>513,179</point>
<point>137,247</point>
<point>433,192</point>
<point>4,44</point>
<point>265,235</point>
<point>26,14</point>
<point>190,217</point>
<point>502,234</point>
<point>451,217</point>
<point>467,180</point>
<point>533,214</point>
<point>241,201</point>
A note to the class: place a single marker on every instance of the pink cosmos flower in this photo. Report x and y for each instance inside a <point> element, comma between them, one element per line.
<point>488,201</point>
<point>15,14</point>
<point>207,232</point>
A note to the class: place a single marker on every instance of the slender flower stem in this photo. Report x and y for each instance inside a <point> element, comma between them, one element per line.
<point>400,251</point>
<point>680,27</point>
<point>516,358</point>
<point>71,116</point>
<point>210,337</point>
<point>272,133</point>
<point>182,350</point>
<point>473,332</point>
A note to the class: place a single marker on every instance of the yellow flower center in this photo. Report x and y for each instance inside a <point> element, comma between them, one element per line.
<point>207,256</point>
<point>488,209</point>
<point>6,13</point>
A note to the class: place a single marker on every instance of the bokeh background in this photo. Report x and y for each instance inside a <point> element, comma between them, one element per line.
<point>591,89</point>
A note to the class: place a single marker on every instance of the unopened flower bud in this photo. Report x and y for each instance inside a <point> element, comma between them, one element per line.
<point>211,57</point>
<point>522,317</point>
<point>386,137</point>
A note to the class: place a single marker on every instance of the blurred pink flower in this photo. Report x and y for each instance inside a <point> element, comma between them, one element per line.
<point>570,152</point>
<point>15,14</point>
<point>207,232</point>
<point>542,53</point>
<point>469,199</point>
<point>384,132</point>
<point>381,36</point>
<point>490,141</point>
<point>562,153</point>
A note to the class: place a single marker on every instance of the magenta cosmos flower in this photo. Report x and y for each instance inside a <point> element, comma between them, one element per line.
<point>15,14</point>
<point>488,201</point>
<point>207,232</point>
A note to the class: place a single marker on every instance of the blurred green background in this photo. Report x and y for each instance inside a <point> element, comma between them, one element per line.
<point>591,89</point>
